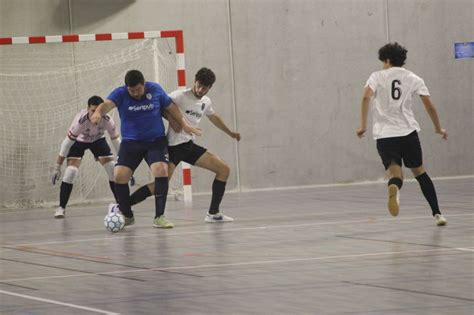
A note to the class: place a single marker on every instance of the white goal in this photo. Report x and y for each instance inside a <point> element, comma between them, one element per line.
<point>46,80</point>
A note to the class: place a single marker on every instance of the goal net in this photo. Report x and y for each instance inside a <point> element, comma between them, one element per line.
<point>44,83</point>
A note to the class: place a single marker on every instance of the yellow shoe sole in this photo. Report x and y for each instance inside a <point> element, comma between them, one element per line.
<point>393,205</point>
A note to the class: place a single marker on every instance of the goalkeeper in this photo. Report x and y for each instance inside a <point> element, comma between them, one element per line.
<point>84,135</point>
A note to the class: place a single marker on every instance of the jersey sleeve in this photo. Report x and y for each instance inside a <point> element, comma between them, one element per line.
<point>174,95</point>
<point>372,82</point>
<point>209,110</point>
<point>77,126</point>
<point>110,126</point>
<point>116,96</point>
<point>165,100</point>
<point>421,88</point>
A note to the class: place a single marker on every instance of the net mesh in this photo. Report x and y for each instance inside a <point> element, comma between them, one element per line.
<point>42,87</point>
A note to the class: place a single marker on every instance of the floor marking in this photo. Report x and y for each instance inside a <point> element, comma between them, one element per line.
<point>248,263</point>
<point>411,291</point>
<point>71,269</point>
<point>361,183</point>
<point>18,286</point>
<point>465,249</point>
<point>225,230</point>
<point>96,310</point>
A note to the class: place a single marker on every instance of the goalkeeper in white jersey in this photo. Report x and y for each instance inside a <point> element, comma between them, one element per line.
<point>84,135</point>
<point>194,104</point>
<point>394,126</point>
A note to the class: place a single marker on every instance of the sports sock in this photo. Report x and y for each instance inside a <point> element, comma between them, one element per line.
<point>112,187</point>
<point>218,189</point>
<point>396,181</point>
<point>123,199</point>
<point>139,195</point>
<point>429,192</point>
<point>161,192</point>
<point>64,194</point>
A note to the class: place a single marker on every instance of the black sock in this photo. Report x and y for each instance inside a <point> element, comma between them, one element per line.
<point>161,192</point>
<point>218,189</point>
<point>396,181</point>
<point>429,192</point>
<point>112,187</point>
<point>64,194</point>
<point>123,199</point>
<point>139,195</point>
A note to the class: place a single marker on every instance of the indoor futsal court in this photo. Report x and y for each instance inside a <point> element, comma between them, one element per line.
<point>326,250</point>
<point>321,156</point>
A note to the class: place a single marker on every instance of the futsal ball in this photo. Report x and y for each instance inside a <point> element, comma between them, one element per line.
<point>114,222</point>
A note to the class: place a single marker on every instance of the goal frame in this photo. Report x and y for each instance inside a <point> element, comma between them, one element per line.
<point>180,65</point>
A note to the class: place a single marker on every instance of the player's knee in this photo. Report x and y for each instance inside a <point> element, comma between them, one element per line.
<point>70,174</point>
<point>160,170</point>
<point>417,171</point>
<point>109,169</point>
<point>122,174</point>
<point>224,171</point>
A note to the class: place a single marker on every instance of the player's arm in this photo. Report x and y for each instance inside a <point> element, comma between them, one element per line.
<point>366,97</point>
<point>174,112</point>
<point>113,134</point>
<point>174,124</point>
<point>219,123</point>
<point>433,113</point>
<point>101,110</point>
<point>63,152</point>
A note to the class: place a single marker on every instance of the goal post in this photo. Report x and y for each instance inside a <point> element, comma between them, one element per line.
<point>46,80</point>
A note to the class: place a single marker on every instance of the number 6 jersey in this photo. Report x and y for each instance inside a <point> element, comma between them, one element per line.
<point>392,112</point>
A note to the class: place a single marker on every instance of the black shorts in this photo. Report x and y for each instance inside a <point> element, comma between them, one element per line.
<point>398,149</point>
<point>132,152</point>
<point>188,152</point>
<point>99,148</point>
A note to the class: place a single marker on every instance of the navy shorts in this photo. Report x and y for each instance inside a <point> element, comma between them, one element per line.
<point>188,152</point>
<point>132,152</point>
<point>99,148</point>
<point>398,149</point>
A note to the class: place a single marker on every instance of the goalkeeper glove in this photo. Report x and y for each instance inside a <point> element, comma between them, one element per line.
<point>56,174</point>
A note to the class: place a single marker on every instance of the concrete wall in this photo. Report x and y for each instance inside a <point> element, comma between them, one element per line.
<point>290,74</point>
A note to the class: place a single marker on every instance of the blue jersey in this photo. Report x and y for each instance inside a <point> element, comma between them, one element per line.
<point>141,119</point>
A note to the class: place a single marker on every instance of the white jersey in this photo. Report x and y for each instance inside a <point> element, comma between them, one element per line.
<point>83,130</point>
<point>392,112</point>
<point>193,109</point>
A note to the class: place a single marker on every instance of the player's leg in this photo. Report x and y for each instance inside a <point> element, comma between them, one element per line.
<point>74,158</point>
<point>389,151</point>
<point>215,164</point>
<point>103,154</point>
<point>108,164</point>
<point>413,158</point>
<point>148,190</point>
<point>142,193</point>
<point>130,155</point>
<point>67,183</point>
<point>157,158</point>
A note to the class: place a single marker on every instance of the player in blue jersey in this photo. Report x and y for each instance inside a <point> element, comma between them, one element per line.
<point>139,104</point>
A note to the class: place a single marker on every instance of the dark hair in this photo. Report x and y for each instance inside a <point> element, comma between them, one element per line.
<point>133,78</point>
<point>94,101</point>
<point>396,53</point>
<point>205,76</point>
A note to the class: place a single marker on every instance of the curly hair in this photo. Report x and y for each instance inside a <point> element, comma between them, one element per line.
<point>396,53</point>
<point>205,76</point>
